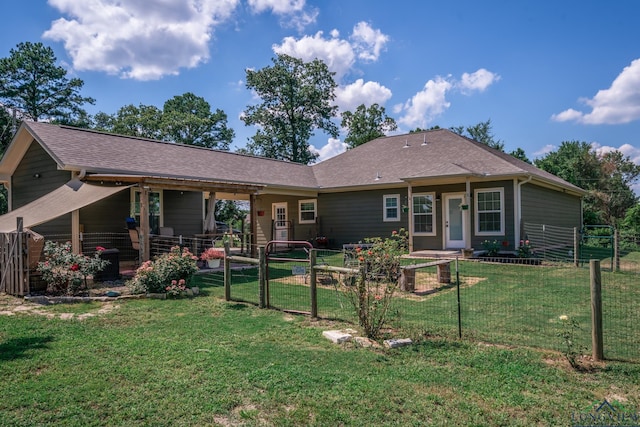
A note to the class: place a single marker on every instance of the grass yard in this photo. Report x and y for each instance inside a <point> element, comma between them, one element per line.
<point>203,361</point>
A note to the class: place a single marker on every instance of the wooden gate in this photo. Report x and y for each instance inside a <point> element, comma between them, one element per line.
<point>14,259</point>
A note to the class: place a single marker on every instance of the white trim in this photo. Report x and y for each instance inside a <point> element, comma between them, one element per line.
<point>433,214</point>
<point>447,243</point>
<point>500,232</point>
<point>386,197</point>
<point>315,211</point>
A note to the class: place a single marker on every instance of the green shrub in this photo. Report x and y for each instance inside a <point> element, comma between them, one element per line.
<point>161,274</point>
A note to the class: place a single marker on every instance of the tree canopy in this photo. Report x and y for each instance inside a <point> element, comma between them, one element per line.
<point>480,132</point>
<point>366,124</point>
<point>296,99</point>
<point>607,177</point>
<point>185,119</point>
<point>32,83</point>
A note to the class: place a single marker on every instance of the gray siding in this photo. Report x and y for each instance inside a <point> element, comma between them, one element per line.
<point>545,206</point>
<point>299,231</point>
<point>351,217</point>
<point>26,188</point>
<point>183,210</point>
<point>107,215</point>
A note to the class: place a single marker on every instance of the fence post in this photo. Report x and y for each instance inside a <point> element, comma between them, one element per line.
<point>227,273</point>
<point>262,275</point>
<point>576,247</point>
<point>458,295</point>
<point>596,310</point>
<point>616,250</point>
<point>312,283</point>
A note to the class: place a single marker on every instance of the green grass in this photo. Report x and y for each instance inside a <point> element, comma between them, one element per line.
<point>203,361</point>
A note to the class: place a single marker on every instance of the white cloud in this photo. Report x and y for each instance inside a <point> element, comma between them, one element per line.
<point>142,40</point>
<point>426,104</point>
<point>616,105</point>
<point>478,81</point>
<point>292,12</point>
<point>431,101</point>
<point>332,148</point>
<point>349,97</point>
<point>626,149</point>
<point>368,42</point>
<point>336,53</point>
<point>339,54</point>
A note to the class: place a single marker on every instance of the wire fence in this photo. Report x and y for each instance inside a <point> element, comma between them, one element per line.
<point>501,302</point>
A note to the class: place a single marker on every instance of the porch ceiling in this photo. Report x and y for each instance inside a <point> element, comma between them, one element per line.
<point>182,184</point>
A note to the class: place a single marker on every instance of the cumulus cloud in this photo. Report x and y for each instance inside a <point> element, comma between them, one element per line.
<point>545,150</point>
<point>427,103</point>
<point>616,105</point>
<point>292,12</point>
<point>350,96</point>
<point>431,101</point>
<point>368,42</point>
<point>338,54</point>
<point>143,40</point>
<point>478,81</point>
<point>332,148</point>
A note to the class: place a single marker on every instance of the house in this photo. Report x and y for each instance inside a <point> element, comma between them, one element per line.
<point>448,191</point>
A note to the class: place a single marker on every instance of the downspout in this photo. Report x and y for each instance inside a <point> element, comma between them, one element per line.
<point>518,210</point>
<point>410,219</point>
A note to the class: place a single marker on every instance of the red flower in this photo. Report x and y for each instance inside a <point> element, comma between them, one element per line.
<point>394,232</point>
<point>100,248</point>
<point>75,267</point>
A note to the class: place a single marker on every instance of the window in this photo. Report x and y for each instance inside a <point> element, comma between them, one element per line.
<point>423,214</point>
<point>308,211</point>
<point>489,211</point>
<point>391,207</point>
<point>155,209</point>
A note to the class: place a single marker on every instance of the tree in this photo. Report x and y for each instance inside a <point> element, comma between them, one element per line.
<point>607,177</point>
<point>144,121</point>
<point>31,83</point>
<point>296,99</point>
<point>366,124</point>
<point>519,153</point>
<point>188,119</point>
<point>6,129</point>
<point>481,133</point>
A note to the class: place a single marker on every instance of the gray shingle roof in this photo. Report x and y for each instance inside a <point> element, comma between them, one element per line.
<point>393,160</point>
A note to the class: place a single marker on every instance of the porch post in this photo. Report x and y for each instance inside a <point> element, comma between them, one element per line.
<point>410,219</point>
<point>76,248</point>
<point>144,224</point>
<point>467,214</point>
<point>253,238</point>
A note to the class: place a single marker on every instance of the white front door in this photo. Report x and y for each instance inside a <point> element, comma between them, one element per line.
<point>280,221</point>
<point>455,223</point>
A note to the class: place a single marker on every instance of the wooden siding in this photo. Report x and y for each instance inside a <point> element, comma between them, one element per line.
<point>509,226</point>
<point>183,210</point>
<point>26,188</point>
<point>545,206</point>
<point>351,217</point>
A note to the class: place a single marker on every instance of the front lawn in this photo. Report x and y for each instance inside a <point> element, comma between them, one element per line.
<point>203,361</point>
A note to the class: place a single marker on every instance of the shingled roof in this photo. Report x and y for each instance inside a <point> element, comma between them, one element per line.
<point>386,161</point>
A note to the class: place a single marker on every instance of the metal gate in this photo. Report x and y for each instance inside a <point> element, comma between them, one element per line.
<point>287,275</point>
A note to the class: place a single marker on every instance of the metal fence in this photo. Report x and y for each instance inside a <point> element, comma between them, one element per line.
<point>499,302</point>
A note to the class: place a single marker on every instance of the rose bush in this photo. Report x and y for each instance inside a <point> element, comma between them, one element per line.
<point>157,276</point>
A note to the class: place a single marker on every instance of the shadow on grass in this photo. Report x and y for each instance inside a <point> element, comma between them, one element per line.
<point>18,348</point>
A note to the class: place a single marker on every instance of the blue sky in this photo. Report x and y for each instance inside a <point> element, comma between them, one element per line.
<point>543,71</point>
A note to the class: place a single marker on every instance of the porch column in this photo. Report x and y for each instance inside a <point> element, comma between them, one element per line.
<point>410,219</point>
<point>254,226</point>
<point>467,214</point>
<point>76,247</point>
<point>144,224</point>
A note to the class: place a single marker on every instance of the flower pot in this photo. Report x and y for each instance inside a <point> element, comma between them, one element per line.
<point>213,263</point>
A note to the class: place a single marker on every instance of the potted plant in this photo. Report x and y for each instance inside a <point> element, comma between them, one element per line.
<point>212,256</point>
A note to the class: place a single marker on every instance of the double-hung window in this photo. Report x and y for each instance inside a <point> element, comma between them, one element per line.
<point>308,210</point>
<point>423,214</point>
<point>391,207</point>
<point>489,211</point>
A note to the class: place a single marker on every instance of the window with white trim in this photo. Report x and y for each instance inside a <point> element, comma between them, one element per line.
<point>307,211</point>
<point>424,214</point>
<point>154,205</point>
<point>489,203</point>
<point>391,207</point>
